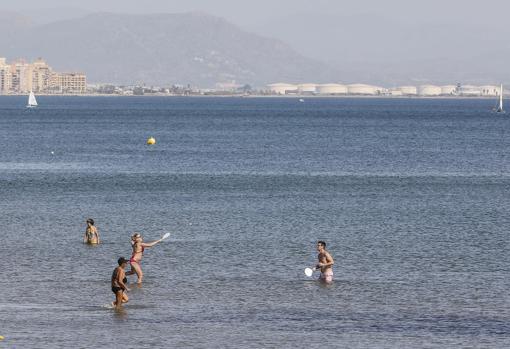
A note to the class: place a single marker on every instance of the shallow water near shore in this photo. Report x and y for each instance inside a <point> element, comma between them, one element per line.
<point>411,195</point>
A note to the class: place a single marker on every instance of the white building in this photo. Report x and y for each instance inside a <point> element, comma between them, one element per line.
<point>331,89</point>
<point>21,77</point>
<point>362,89</point>
<point>5,76</point>
<point>282,88</point>
<point>429,90</point>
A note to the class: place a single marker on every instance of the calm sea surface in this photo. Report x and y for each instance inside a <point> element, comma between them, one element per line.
<point>411,195</point>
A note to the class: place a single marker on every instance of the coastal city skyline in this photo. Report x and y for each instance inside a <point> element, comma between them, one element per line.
<point>21,77</point>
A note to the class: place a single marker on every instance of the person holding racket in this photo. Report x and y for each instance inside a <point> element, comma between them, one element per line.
<point>325,263</point>
<point>138,249</point>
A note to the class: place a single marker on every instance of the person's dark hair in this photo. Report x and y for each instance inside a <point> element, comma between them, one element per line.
<point>122,260</point>
<point>91,221</point>
<point>322,243</point>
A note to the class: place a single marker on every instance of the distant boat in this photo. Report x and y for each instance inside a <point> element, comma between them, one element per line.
<point>499,108</point>
<point>32,102</point>
<point>301,100</point>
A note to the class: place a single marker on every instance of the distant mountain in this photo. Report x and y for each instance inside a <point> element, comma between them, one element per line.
<point>163,49</point>
<point>12,24</point>
<point>52,14</point>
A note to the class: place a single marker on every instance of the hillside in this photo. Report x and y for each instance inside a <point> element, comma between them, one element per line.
<point>192,48</point>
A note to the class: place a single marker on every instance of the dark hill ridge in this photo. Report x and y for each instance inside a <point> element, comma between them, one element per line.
<point>165,49</point>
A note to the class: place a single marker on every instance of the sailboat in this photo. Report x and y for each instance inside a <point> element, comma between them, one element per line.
<point>32,102</point>
<point>500,109</point>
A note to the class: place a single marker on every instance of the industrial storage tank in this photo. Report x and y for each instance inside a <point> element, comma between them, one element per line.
<point>470,91</point>
<point>490,90</point>
<point>331,89</point>
<point>282,88</point>
<point>408,90</point>
<point>362,89</point>
<point>306,88</point>
<point>429,90</point>
<point>395,92</point>
<point>448,90</point>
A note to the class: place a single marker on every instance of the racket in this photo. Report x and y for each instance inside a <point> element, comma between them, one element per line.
<point>309,271</point>
<point>165,236</point>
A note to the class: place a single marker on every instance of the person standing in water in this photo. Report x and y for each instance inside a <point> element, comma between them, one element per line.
<point>325,263</point>
<point>119,281</point>
<point>136,258</point>
<point>91,234</point>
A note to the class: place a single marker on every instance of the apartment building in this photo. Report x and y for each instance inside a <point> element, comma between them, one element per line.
<point>5,77</point>
<point>68,83</point>
<point>23,77</point>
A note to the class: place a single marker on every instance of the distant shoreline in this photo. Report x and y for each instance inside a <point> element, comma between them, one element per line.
<point>255,96</point>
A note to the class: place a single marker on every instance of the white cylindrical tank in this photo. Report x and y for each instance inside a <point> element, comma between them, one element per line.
<point>470,90</point>
<point>490,90</point>
<point>306,88</point>
<point>362,89</point>
<point>331,89</point>
<point>408,90</point>
<point>448,90</point>
<point>429,90</point>
<point>282,88</point>
<point>381,90</point>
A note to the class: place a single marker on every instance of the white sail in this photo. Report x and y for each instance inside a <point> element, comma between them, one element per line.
<point>32,102</point>
<point>500,107</point>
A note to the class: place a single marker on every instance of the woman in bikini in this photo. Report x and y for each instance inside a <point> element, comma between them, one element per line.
<point>136,258</point>
<point>91,235</point>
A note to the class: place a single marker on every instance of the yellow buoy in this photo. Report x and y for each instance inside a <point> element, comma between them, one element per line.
<point>151,141</point>
<point>1,338</point>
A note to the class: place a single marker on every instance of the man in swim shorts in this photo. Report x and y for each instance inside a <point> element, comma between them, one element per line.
<point>325,263</point>
<point>119,281</point>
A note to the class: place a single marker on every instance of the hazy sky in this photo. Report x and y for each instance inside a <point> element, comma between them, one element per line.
<point>242,11</point>
<point>427,38</point>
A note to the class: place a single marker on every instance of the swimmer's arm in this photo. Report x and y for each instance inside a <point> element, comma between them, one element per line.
<point>150,244</point>
<point>85,236</point>
<point>97,235</point>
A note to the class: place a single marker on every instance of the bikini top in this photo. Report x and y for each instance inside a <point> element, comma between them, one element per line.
<point>90,233</point>
<point>135,251</point>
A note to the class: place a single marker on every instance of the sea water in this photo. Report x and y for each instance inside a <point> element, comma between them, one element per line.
<point>412,197</point>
